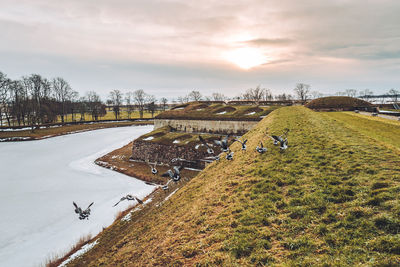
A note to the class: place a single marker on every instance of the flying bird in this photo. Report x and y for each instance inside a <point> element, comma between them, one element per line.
<point>174,174</point>
<point>281,140</point>
<point>223,143</point>
<point>129,197</point>
<point>204,143</point>
<point>83,214</point>
<point>244,146</point>
<point>261,149</point>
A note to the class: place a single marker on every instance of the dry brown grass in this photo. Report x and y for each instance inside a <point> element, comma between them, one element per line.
<point>337,103</point>
<point>56,260</point>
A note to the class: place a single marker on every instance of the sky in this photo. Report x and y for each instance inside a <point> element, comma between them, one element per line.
<point>168,48</point>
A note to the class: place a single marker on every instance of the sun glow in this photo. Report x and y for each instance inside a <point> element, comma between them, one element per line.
<point>246,58</point>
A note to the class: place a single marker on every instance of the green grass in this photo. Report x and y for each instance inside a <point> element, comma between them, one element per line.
<point>331,199</point>
<point>109,116</point>
<point>382,130</point>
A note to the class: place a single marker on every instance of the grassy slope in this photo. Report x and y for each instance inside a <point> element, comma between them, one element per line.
<point>332,197</point>
<point>195,110</point>
<point>39,133</point>
<point>382,130</point>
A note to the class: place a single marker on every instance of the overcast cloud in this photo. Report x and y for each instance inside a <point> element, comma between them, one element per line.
<point>171,47</point>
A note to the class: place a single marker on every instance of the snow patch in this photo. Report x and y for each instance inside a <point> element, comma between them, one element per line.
<point>127,217</point>
<point>15,139</point>
<point>79,253</point>
<point>176,141</point>
<point>221,113</point>
<point>251,113</point>
<point>148,138</point>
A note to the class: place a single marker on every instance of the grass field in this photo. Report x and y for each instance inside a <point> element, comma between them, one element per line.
<point>331,199</point>
<point>66,129</point>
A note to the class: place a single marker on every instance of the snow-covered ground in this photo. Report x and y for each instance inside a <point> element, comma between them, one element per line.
<point>40,179</point>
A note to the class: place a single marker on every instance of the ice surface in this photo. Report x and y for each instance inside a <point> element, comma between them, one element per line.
<point>40,179</point>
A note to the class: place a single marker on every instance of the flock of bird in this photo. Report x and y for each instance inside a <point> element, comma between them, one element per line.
<point>174,173</point>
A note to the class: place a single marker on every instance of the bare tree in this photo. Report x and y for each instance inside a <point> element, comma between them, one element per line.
<point>83,107</point>
<point>195,96</point>
<point>302,91</point>
<point>394,93</point>
<point>351,92</point>
<point>267,94</point>
<point>151,104</point>
<point>96,108</point>
<point>4,98</point>
<point>116,101</point>
<point>218,97</point>
<point>164,102</point>
<point>281,97</point>
<point>183,99</point>
<point>254,94</point>
<point>139,97</point>
<point>62,93</point>
<point>316,94</point>
<point>129,102</point>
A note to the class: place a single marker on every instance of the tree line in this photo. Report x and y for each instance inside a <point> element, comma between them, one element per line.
<point>301,92</point>
<point>35,100</point>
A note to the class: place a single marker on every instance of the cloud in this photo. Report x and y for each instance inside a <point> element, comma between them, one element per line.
<point>268,42</point>
<point>159,36</point>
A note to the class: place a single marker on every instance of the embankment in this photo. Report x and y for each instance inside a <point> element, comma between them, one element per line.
<point>331,199</point>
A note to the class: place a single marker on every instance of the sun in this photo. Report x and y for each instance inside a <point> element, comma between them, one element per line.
<point>246,57</point>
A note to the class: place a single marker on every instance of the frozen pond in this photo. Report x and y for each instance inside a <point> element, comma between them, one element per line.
<point>40,179</point>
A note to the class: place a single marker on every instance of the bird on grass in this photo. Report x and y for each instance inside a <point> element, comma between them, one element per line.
<point>244,146</point>
<point>281,140</point>
<point>129,197</point>
<point>165,186</point>
<point>174,173</point>
<point>204,143</point>
<point>83,214</point>
<point>261,149</point>
<point>229,155</point>
<point>154,171</point>
<point>223,143</point>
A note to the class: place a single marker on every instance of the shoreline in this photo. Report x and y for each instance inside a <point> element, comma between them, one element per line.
<point>44,133</point>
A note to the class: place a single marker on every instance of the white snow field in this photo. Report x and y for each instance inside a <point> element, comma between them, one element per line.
<point>40,179</point>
